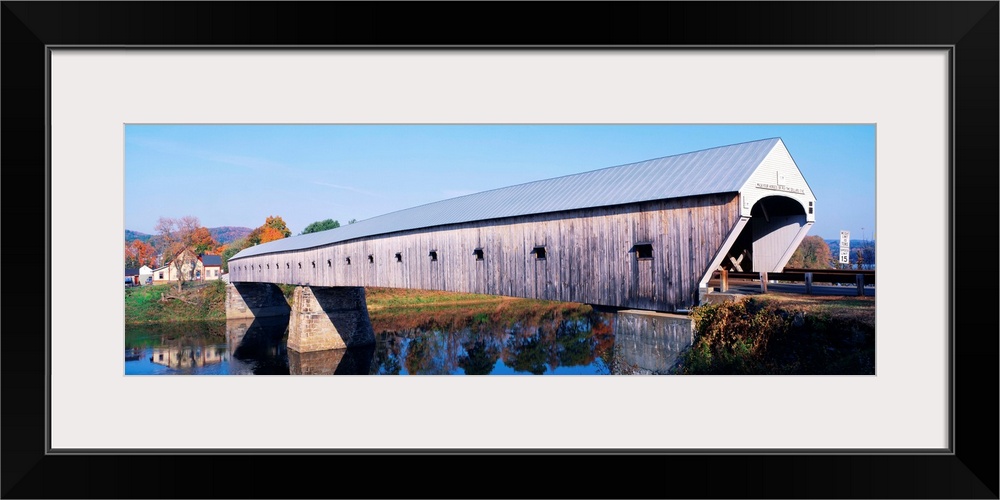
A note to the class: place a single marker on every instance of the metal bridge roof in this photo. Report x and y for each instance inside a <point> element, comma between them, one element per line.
<point>717,170</point>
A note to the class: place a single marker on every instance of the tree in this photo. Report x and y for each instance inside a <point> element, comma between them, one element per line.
<point>202,240</point>
<point>322,225</point>
<point>812,253</point>
<point>139,253</point>
<point>268,233</point>
<point>274,228</point>
<point>230,250</point>
<point>176,237</point>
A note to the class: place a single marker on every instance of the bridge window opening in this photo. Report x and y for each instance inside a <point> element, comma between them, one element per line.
<point>433,255</point>
<point>287,265</point>
<point>314,264</point>
<point>269,266</point>
<point>810,208</point>
<point>539,253</point>
<point>371,259</point>
<point>329,263</point>
<point>643,251</point>
<point>348,261</point>
<point>300,265</point>
<point>399,257</point>
<point>478,253</point>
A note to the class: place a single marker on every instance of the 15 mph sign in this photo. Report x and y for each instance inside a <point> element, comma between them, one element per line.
<point>845,247</point>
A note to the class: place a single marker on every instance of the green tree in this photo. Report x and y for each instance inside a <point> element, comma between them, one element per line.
<point>322,225</point>
<point>812,253</point>
<point>232,249</point>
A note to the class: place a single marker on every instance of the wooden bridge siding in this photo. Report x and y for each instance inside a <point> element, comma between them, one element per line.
<point>588,258</point>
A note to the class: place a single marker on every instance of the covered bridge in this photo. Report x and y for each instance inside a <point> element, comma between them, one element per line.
<point>645,235</point>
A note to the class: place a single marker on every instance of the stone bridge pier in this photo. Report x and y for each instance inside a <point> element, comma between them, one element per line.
<point>255,300</point>
<point>319,318</point>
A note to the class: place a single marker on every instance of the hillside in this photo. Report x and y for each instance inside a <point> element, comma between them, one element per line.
<point>227,234</point>
<point>222,234</point>
<point>136,235</point>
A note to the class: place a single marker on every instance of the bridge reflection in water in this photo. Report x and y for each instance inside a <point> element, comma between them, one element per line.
<point>592,343</point>
<point>574,342</point>
<point>650,343</point>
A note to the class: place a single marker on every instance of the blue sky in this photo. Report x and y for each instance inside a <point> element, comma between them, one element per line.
<point>238,175</point>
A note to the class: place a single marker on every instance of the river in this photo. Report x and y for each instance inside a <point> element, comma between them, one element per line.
<point>581,342</point>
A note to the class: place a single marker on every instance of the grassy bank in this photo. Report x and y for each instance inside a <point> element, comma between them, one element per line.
<point>389,308</point>
<point>197,301</point>
<point>396,309</point>
<point>784,334</point>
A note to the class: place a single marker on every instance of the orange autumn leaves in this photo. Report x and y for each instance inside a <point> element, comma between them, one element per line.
<point>274,228</point>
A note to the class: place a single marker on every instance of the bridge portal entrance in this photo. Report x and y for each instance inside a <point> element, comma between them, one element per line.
<point>766,241</point>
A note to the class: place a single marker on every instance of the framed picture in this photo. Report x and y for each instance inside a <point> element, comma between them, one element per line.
<point>922,74</point>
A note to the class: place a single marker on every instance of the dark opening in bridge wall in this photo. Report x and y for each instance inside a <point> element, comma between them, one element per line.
<point>539,252</point>
<point>288,266</point>
<point>348,261</point>
<point>434,255</point>
<point>314,264</point>
<point>399,257</point>
<point>329,263</point>
<point>643,250</point>
<point>300,265</point>
<point>371,259</point>
<point>478,253</point>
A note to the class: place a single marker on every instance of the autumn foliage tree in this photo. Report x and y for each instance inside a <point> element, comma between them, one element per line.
<point>274,228</point>
<point>202,241</point>
<point>139,253</point>
<point>812,253</point>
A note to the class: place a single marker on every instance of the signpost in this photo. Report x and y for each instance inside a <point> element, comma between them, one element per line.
<point>845,247</point>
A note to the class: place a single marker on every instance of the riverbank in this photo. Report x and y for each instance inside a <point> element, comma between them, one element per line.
<point>759,335</point>
<point>196,301</point>
<point>402,308</point>
<point>784,334</point>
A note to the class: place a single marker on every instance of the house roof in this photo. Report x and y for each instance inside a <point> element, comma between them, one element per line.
<point>211,260</point>
<point>716,170</point>
<point>131,271</point>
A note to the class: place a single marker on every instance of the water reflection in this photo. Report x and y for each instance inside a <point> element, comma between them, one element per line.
<point>257,346</point>
<point>353,361</point>
<point>183,357</point>
<point>574,345</point>
<point>579,342</point>
<point>649,343</point>
<point>207,348</point>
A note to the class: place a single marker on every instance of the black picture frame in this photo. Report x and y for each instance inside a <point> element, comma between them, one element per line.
<point>970,29</point>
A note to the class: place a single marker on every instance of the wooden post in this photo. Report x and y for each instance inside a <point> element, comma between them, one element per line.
<point>809,283</point>
<point>723,280</point>
<point>860,278</point>
<point>763,282</point>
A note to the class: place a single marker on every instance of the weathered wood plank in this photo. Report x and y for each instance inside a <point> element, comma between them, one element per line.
<point>589,256</point>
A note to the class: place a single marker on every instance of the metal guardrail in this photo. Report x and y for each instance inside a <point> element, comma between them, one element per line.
<point>857,277</point>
